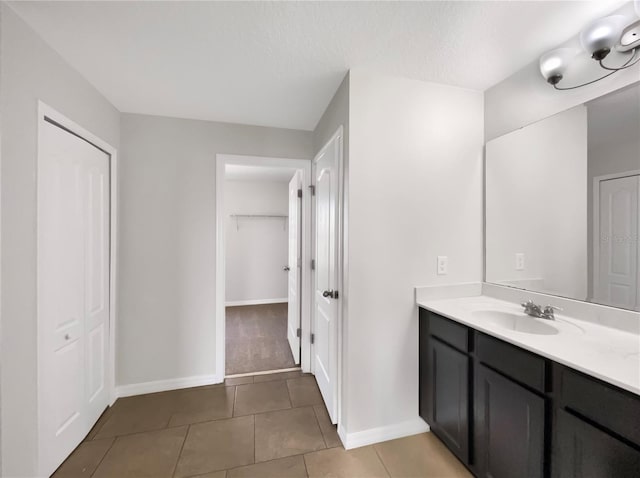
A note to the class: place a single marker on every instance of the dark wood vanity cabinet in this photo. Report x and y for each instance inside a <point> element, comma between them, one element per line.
<point>506,412</point>
<point>509,427</point>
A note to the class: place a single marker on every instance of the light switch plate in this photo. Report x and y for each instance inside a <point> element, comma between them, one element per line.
<point>520,261</point>
<point>443,265</point>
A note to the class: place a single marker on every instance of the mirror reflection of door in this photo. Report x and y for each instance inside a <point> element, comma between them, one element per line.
<point>616,252</point>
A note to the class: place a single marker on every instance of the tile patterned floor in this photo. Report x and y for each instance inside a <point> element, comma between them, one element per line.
<point>272,426</point>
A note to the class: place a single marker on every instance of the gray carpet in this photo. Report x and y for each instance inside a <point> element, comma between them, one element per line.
<point>256,339</point>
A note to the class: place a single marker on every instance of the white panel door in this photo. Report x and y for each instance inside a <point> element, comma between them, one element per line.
<point>326,295</point>
<point>73,308</point>
<point>617,283</point>
<point>295,264</point>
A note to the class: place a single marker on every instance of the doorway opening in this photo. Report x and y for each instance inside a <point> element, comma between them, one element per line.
<point>263,264</point>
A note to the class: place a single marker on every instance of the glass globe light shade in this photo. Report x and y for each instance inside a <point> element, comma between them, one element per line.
<point>554,63</point>
<point>599,38</point>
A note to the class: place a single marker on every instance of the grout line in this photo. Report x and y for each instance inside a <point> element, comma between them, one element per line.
<point>254,439</point>
<point>319,426</point>
<point>175,467</point>
<point>235,396</point>
<point>148,431</point>
<point>286,384</point>
<point>101,459</point>
<point>304,460</point>
<point>381,460</point>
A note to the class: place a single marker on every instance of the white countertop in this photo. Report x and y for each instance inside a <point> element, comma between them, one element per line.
<point>610,355</point>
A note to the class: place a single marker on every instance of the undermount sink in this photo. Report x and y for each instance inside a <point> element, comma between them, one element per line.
<point>517,322</point>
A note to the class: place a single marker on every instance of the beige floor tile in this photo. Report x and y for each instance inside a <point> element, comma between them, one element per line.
<point>286,433</point>
<point>329,430</point>
<point>213,474</point>
<point>304,391</point>
<point>152,454</point>
<point>340,463</point>
<point>270,377</point>
<point>98,425</point>
<point>84,460</point>
<point>201,405</point>
<point>261,397</point>
<point>291,467</point>
<point>137,414</point>
<point>420,456</point>
<point>217,445</point>
<point>238,380</point>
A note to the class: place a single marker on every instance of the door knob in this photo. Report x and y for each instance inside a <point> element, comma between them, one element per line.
<point>330,293</point>
<point>286,268</point>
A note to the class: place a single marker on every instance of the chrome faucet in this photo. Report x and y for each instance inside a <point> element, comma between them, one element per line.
<point>534,310</point>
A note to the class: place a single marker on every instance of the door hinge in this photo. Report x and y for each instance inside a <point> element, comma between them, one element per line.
<point>299,193</point>
<point>299,333</point>
<point>313,189</point>
<point>313,264</point>
<point>313,338</point>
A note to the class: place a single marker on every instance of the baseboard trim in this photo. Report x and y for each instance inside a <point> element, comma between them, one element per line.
<point>380,434</point>
<point>236,303</point>
<point>165,385</point>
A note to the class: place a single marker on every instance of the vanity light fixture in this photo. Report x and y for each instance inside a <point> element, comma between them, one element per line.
<point>599,39</point>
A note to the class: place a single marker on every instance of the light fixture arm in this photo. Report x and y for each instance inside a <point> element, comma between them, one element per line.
<point>611,72</point>
<point>626,65</point>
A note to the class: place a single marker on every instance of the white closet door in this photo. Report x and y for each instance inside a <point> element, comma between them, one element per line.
<point>73,281</point>
<point>295,264</point>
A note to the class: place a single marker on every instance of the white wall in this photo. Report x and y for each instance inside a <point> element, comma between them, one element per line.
<point>256,248</point>
<point>166,293</point>
<point>536,204</point>
<point>30,71</point>
<point>415,192</point>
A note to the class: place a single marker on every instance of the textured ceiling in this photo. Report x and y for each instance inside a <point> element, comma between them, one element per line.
<point>279,63</point>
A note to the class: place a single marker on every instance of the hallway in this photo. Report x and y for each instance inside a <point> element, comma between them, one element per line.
<point>256,339</point>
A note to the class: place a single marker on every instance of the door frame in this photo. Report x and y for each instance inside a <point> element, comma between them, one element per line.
<point>45,111</point>
<point>304,165</point>
<point>596,223</point>
<point>341,246</point>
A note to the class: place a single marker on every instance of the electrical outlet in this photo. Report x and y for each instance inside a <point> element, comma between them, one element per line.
<point>443,265</point>
<point>519,261</point>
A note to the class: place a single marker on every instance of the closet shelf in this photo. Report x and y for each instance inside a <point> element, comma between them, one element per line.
<point>260,216</point>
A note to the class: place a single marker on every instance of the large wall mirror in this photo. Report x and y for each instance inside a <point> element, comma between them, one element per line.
<point>563,203</point>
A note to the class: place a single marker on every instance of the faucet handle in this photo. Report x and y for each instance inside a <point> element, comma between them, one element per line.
<point>551,308</point>
<point>528,304</point>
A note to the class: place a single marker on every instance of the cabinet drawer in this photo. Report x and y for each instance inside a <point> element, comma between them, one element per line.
<point>512,361</point>
<point>614,409</point>
<point>583,451</point>
<point>448,331</point>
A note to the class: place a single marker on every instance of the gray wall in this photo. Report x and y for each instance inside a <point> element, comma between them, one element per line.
<point>30,71</point>
<point>167,283</point>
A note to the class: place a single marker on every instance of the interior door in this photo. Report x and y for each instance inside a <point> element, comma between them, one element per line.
<point>73,281</point>
<point>617,281</point>
<point>326,294</point>
<point>295,264</point>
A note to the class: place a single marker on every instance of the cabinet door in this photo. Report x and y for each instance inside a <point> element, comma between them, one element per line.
<point>448,382</point>
<point>509,427</point>
<point>583,451</point>
<point>425,404</point>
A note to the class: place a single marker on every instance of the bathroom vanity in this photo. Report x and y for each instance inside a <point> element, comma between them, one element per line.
<point>515,396</point>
